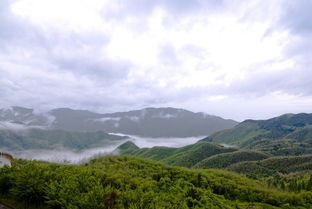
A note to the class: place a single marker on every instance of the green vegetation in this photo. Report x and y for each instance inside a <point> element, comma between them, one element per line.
<point>226,159</point>
<point>289,134</point>
<point>267,167</point>
<point>291,182</point>
<point>186,156</point>
<point>273,170</point>
<point>237,135</point>
<point>115,182</point>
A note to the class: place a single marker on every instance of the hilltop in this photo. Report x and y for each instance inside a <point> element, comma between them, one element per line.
<point>186,156</point>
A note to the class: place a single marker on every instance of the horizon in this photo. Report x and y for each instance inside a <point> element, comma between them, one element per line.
<point>160,107</point>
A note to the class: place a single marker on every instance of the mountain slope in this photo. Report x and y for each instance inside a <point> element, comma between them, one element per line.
<point>224,160</point>
<point>285,135</point>
<point>267,167</point>
<point>185,156</point>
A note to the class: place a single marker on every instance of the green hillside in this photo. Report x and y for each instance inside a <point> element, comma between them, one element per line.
<point>289,134</point>
<point>226,159</point>
<point>282,146</point>
<point>267,167</point>
<point>120,182</point>
<point>186,156</point>
<point>237,135</point>
<point>302,134</point>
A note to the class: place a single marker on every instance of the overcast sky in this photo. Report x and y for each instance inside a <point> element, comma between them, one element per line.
<point>236,59</point>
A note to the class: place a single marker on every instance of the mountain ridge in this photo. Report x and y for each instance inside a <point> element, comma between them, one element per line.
<point>288,134</point>
<point>147,122</point>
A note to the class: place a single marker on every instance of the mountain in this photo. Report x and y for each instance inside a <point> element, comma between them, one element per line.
<point>32,139</point>
<point>270,166</point>
<point>224,160</point>
<point>165,122</point>
<point>148,122</point>
<point>207,155</point>
<point>289,134</point>
<point>25,116</point>
<point>126,182</point>
<point>186,156</point>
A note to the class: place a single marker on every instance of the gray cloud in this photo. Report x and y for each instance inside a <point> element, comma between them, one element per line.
<point>55,68</point>
<point>174,7</point>
<point>297,16</point>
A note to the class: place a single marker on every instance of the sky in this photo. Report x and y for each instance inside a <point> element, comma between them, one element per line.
<point>231,58</point>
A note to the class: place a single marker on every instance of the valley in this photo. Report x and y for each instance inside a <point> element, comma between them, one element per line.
<point>257,164</point>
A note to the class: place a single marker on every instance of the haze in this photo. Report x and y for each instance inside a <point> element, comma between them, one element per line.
<point>235,59</point>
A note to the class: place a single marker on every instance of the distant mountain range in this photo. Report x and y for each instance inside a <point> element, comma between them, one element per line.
<point>148,122</point>
<point>22,128</point>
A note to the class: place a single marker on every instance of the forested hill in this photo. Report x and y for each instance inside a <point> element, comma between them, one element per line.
<point>186,156</point>
<point>289,134</point>
<point>198,155</point>
<point>121,182</point>
<point>207,155</point>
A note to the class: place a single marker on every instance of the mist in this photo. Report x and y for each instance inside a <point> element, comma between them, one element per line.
<point>6,125</point>
<point>166,141</point>
<point>68,156</point>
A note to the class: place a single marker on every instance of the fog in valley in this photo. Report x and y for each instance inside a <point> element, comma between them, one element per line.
<point>68,156</point>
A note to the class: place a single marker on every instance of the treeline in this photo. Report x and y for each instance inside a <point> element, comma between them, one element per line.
<point>120,182</point>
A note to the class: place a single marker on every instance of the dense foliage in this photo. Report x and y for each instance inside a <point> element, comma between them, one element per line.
<point>127,182</point>
<point>270,166</point>
<point>186,156</point>
<point>226,159</point>
<point>291,182</point>
<point>289,134</point>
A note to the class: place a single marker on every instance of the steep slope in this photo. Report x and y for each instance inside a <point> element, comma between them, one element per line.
<point>186,156</point>
<point>226,159</point>
<point>126,182</point>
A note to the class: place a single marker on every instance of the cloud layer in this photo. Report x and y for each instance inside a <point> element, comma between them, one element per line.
<point>228,58</point>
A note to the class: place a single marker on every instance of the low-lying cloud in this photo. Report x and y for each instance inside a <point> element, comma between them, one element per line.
<point>67,156</point>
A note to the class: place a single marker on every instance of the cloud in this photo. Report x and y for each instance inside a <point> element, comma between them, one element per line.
<point>119,55</point>
<point>296,16</point>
